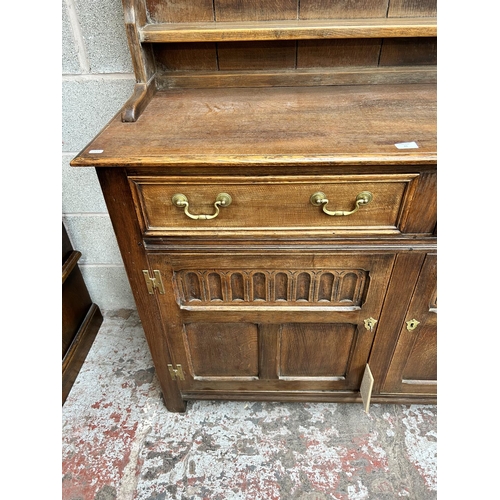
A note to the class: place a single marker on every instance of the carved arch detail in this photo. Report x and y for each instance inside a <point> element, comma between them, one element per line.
<point>338,287</point>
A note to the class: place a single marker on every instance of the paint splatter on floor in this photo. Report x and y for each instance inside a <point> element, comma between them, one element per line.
<point>120,443</point>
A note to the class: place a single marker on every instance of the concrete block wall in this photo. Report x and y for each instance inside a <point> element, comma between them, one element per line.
<point>97,79</point>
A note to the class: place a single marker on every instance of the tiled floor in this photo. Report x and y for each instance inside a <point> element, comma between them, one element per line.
<point>120,443</point>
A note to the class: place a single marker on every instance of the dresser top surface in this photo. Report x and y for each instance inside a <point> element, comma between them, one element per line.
<point>363,124</point>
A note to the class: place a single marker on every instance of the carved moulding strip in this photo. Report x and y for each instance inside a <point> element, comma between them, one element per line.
<point>334,287</point>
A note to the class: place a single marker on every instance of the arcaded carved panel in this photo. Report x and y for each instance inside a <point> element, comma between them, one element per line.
<point>337,287</point>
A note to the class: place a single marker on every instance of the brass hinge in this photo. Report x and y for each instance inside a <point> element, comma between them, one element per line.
<point>153,283</point>
<point>176,373</point>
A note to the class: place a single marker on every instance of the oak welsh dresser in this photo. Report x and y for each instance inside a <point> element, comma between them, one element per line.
<point>272,186</point>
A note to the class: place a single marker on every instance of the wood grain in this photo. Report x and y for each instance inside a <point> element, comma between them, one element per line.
<point>185,56</point>
<point>398,295</point>
<point>81,318</point>
<point>276,198</point>
<point>119,203</point>
<point>76,353</point>
<point>338,53</point>
<point>269,361</point>
<point>291,30</point>
<point>342,9</point>
<point>412,8</point>
<point>413,367</point>
<point>138,101</point>
<point>420,214</point>
<point>260,55</point>
<point>316,350</point>
<point>142,56</point>
<point>223,349</point>
<point>180,11</point>
<point>301,125</point>
<point>409,52</point>
<point>255,10</point>
<point>304,77</point>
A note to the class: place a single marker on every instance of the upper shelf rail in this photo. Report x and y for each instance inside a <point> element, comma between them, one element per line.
<point>289,30</point>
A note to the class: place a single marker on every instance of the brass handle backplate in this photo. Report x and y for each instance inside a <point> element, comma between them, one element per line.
<point>222,200</point>
<point>370,324</point>
<point>320,198</point>
<point>412,324</point>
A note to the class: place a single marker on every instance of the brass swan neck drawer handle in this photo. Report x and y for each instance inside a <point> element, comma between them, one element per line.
<point>320,198</point>
<point>222,200</point>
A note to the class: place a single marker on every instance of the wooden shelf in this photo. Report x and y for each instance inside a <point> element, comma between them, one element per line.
<point>289,30</point>
<point>273,126</point>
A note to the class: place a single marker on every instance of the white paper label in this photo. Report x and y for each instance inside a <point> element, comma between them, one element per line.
<point>406,145</point>
<point>96,151</point>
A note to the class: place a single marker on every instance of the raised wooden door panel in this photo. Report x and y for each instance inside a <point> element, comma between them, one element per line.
<point>247,356</point>
<point>413,367</point>
<point>283,205</point>
<point>271,322</point>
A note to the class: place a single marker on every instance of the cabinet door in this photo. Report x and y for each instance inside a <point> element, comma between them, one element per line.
<point>413,367</point>
<point>272,322</point>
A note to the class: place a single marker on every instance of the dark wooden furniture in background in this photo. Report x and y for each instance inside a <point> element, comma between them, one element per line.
<point>272,186</point>
<point>81,318</point>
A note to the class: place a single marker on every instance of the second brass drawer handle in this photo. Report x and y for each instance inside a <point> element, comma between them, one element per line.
<point>222,200</point>
<point>320,198</point>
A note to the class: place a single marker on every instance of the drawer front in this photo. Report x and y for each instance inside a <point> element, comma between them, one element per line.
<point>277,205</point>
